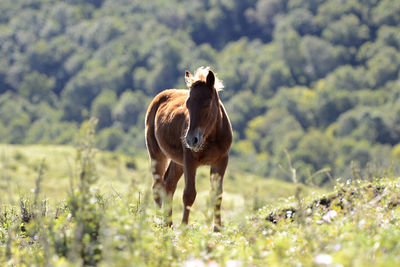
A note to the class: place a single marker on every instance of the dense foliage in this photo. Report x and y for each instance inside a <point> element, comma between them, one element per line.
<point>310,85</point>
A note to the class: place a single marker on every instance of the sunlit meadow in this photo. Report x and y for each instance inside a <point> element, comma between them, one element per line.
<point>68,206</point>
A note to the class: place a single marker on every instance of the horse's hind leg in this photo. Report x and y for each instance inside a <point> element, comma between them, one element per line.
<point>158,166</point>
<point>158,160</point>
<point>171,178</point>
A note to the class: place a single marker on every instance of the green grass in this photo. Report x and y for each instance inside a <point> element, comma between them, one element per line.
<point>119,174</point>
<point>112,220</point>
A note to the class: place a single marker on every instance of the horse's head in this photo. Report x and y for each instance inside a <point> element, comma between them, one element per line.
<point>203,107</point>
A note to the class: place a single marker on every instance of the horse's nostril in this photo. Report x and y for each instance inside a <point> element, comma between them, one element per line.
<point>195,141</point>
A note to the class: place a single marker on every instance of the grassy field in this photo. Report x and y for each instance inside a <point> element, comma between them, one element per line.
<point>64,206</point>
<point>120,174</point>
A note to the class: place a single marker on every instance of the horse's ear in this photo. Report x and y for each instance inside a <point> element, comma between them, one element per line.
<point>210,79</point>
<point>188,78</point>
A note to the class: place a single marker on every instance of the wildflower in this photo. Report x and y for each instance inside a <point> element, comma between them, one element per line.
<point>194,263</point>
<point>289,214</point>
<point>361,224</point>
<point>233,263</point>
<point>323,259</point>
<point>309,211</point>
<point>337,247</point>
<point>329,216</point>
<point>212,263</point>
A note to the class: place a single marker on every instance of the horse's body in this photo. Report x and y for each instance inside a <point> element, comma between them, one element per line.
<point>184,130</point>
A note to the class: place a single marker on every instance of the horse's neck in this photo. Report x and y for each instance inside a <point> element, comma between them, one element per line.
<point>218,123</point>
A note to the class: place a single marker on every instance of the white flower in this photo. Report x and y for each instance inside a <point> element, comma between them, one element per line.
<point>233,263</point>
<point>212,264</point>
<point>323,259</point>
<point>361,224</point>
<point>329,216</point>
<point>194,263</point>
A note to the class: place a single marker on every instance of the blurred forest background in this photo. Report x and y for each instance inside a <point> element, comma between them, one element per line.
<point>312,85</point>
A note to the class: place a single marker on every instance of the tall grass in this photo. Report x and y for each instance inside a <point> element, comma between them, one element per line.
<point>357,224</point>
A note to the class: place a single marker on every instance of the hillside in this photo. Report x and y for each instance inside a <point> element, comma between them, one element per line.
<point>319,79</point>
<point>118,174</point>
<point>108,218</point>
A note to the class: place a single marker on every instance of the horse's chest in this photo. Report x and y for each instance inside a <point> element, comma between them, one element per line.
<point>210,155</point>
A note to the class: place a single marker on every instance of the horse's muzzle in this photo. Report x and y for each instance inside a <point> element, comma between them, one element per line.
<point>194,139</point>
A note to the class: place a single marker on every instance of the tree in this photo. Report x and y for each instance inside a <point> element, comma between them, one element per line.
<point>330,105</point>
<point>348,78</point>
<point>290,43</point>
<point>311,5</point>
<point>352,150</point>
<point>299,102</point>
<point>130,109</point>
<point>240,114</point>
<point>110,138</point>
<point>38,87</point>
<point>389,35</point>
<point>163,70</point>
<point>264,15</point>
<point>266,132</point>
<point>384,66</point>
<point>387,12</point>
<point>317,150</point>
<point>321,56</point>
<point>50,131</point>
<point>366,124</point>
<point>302,21</point>
<point>347,31</point>
<point>275,76</point>
<point>102,108</point>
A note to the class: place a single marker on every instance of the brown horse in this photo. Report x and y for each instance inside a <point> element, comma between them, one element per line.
<point>184,130</point>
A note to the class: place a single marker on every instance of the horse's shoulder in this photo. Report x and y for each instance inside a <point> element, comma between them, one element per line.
<point>226,130</point>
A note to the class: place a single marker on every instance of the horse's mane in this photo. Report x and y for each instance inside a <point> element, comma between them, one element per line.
<point>200,75</point>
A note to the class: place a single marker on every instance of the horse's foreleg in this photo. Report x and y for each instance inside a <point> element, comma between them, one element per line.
<point>189,193</point>
<point>216,178</point>
<point>171,178</point>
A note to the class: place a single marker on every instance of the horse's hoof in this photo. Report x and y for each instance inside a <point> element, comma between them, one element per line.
<point>183,227</point>
<point>158,201</point>
<point>217,229</point>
